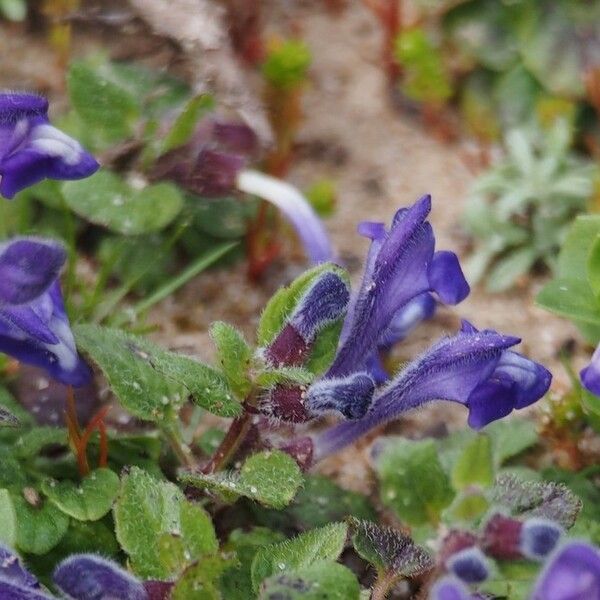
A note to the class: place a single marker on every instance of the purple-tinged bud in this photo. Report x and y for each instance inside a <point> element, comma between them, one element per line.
<point>285,403</point>
<point>455,541</point>
<point>234,137</point>
<point>214,173</point>
<point>158,590</point>
<point>288,348</point>
<point>323,303</point>
<point>350,395</point>
<point>89,577</point>
<point>539,537</point>
<point>301,450</point>
<point>502,537</point>
<point>469,565</point>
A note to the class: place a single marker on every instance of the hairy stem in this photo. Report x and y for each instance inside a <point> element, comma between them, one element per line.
<point>236,434</point>
<point>179,447</point>
<point>383,584</point>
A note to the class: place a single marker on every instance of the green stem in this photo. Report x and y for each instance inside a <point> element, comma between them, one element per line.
<point>173,284</point>
<point>179,447</point>
<point>383,584</point>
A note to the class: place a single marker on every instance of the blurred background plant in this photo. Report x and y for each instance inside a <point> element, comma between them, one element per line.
<point>520,209</point>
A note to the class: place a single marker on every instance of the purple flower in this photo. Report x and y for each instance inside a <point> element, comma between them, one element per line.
<point>16,583</point>
<point>32,150</point>
<point>451,588</point>
<point>34,327</point>
<point>469,565</point>
<point>294,207</point>
<point>590,375</point>
<point>402,265</point>
<point>89,577</point>
<point>210,162</point>
<point>573,573</point>
<point>474,368</point>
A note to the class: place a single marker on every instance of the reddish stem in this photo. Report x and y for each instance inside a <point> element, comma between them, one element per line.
<point>74,433</point>
<point>231,442</point>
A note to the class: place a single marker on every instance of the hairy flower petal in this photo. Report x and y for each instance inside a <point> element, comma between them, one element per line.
<point>28,266</point>
<point>32,150</point>
<point>89,577</point>
<point>35,329</point>
<point>573,573</point>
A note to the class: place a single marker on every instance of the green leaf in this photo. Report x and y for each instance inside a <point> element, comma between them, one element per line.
<point>321,501</point>
<point>40,525</point>
<point>510,438</point>
<point>593,267</point>
<point>271,477</point>
<point>325,580</point>
<point>509,268</point>
<point>184,126</point>
<point>300,552</point>
<point>150,382</point>
<point>200,580</point>
<point>31,443</point>
<point>389,550</point>
<point>412,481</point>
<point>82,537</point>
<point>88,501</point>
<point>570,298</point>
<point>152,515</point>
<point>468,506</point>
<point>234,356</point>
<point>546,499</point>
<point>575,250</point>
<point>8,520</point>
<point>224,218</point>
<point>474,465</point>
<point>236,581</point>
<point>100,102</point>
<point>105,199</point>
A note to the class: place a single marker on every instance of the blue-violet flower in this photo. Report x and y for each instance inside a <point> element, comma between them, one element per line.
<point>31,149</point>
<point>474,368</point>
<point>34,327</point>
<point>401,266</point>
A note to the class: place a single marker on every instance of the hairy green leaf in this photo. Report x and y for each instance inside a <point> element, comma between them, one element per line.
<point>151,382</point>
<point>300,552</point>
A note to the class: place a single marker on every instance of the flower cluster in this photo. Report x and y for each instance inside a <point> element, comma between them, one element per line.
<point>403,278</point>
<point>32,150</point>
<point>571,573</point>
<point>79,577</point>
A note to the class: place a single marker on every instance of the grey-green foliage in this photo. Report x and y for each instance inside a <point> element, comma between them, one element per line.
<point>519,210</point>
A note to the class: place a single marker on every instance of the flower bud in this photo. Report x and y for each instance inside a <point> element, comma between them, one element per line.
<point>469,565</point>
<point>350,395</point>
<point>455,541</point>
<point>285,403</point>
<point>539,537</point>
<point>502,537</point>
<point>324,303</point>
